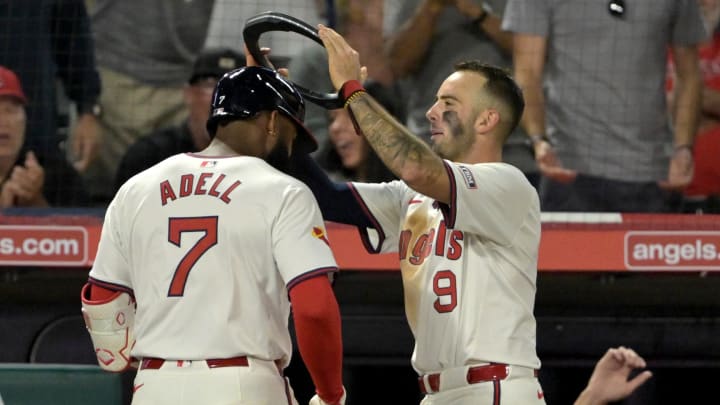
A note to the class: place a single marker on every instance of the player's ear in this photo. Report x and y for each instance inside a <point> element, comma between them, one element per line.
<point>487,120</point>
<point>272,129</point>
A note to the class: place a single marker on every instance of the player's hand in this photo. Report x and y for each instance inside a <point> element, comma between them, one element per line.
<point>609,380</point>
<point>315,400</point>
<point>250,61</point>
<point>550,166</point>
<point>343,60</point>
<point>85,141</point>
<point>681,170</point>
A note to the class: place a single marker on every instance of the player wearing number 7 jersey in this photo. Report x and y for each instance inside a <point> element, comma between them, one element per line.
<point>465,225</point>
<point>212,248</point>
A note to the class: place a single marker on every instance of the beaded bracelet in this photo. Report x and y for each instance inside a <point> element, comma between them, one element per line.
<point>352,97</point>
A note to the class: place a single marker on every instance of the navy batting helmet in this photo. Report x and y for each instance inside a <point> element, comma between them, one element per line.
<point>243,93</point>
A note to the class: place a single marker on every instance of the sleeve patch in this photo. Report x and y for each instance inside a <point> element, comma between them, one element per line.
<point>319,233</point>
<point>468,177</point>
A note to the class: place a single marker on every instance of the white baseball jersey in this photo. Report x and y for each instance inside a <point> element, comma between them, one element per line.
<point>468,268</point>
<point>210,248</point>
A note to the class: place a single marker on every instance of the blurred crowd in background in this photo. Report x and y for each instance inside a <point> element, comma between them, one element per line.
<point>623,100</point>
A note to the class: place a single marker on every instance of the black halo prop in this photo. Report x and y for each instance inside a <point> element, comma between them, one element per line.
<point>274,21</point>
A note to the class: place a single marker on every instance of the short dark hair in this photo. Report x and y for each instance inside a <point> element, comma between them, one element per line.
<point>501,86</point>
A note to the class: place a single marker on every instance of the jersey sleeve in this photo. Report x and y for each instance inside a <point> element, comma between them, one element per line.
<point>491,200</point>
<point>300,243</point>
<point>384,204</point>
<point>111,268</point>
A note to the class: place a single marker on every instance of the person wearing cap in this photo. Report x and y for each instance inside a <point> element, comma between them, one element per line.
<point>50,42</point>
<point>30,177</point>
<point>190,136</point>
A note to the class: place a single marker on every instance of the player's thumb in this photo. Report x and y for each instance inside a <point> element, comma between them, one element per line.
<point>639,380</point>
<point>363,74</point>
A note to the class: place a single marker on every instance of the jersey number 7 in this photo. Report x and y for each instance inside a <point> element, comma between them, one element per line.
<point>176,227</point>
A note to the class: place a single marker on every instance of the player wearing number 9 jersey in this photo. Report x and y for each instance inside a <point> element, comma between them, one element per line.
<point>465,225</point>
<point>212,248</point>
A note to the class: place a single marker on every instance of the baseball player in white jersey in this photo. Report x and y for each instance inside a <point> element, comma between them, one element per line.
<point>465,225</point>
<point>211,248</point>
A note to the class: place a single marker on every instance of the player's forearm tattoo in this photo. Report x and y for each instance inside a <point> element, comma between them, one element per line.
<point>394,144</point>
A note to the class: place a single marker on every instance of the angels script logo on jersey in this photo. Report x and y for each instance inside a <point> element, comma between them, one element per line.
<point>447,246</point>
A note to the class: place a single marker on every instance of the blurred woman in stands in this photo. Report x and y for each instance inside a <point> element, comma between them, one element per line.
<point>30,178</point>
<point>347,156</point>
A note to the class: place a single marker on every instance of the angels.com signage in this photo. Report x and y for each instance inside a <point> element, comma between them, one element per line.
<point>672,250</point>
<point>49,245</point>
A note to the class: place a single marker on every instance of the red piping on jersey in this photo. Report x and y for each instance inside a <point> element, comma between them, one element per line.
<point>450,212</point>
<point>364,237</point>
<point>287,392</point>
<point>496,392</point>
<point>310,274</point>
<point>111,286</point>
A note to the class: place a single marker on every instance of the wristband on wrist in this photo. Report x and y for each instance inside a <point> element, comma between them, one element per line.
<point>535,139</point>
<point>350,90</point>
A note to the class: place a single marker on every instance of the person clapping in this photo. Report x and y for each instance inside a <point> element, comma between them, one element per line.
<point>27,178</point>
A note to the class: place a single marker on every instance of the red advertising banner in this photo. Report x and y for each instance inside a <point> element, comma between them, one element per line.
<point>43,245</point>
<point>570,242</point>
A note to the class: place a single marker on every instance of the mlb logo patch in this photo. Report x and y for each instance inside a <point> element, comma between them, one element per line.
<point>208,163</point>
<point>468,177</point>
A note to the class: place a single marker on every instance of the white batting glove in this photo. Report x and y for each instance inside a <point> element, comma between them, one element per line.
<point>315,400</point>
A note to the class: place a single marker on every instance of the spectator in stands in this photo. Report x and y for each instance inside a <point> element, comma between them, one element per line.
<point>361,22</point>
<point>432,36</point>
<point>703,193</point>
<point>145,52</point>
<point>600,130</point>
<point>348,156</point>
<point>30,177</point>
<point>42,41</point>
<point>191,135</point>
<point>228,20</point>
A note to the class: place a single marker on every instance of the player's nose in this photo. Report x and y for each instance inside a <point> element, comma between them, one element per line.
<point>432,113</point>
